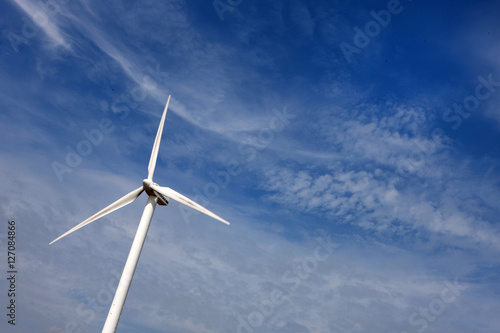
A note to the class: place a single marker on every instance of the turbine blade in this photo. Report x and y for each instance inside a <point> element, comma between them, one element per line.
<point>156,145</point>
<point>123,201</point>
<point>168,192</point>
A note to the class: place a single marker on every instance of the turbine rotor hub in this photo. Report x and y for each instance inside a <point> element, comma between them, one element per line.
<point>146,183</point>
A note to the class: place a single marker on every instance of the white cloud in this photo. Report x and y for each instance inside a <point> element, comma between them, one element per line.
<point>387,173</point>
<point>45,20</point>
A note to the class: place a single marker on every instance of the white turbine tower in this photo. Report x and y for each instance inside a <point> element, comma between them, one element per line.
<point>157,195</point>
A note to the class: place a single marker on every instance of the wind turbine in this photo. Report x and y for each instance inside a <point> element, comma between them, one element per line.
<point>156,195</point>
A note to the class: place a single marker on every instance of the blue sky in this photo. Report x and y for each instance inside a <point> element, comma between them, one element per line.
<point>353,146</point>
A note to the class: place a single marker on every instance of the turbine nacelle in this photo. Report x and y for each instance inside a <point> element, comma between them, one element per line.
<point>162,200</point>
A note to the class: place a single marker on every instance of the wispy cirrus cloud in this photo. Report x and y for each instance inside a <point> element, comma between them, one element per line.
<point>387,172</point>
<point>43,15</point>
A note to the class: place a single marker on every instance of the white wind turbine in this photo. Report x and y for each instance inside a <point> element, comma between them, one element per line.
<point>157,195</point>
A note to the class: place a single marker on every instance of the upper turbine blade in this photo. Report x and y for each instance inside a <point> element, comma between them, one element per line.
<point>156,146</point>
<point>168,192</point>
<point>123,201</point>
